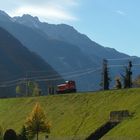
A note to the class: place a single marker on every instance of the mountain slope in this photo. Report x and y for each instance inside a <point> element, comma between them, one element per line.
<point>16,60</point>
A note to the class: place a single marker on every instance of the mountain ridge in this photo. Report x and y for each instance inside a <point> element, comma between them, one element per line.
<point>57,32</point>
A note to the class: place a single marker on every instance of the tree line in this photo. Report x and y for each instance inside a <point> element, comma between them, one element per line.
<point>122,81</point>
<point>31,88</point>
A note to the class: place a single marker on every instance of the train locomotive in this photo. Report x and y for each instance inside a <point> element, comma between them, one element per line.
<point>67,87</point>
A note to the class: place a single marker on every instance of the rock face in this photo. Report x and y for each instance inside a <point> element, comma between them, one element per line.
<point>72,54</point>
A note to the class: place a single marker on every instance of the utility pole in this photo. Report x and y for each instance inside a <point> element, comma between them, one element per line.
<point>26,83</point>
<point>105,76</point>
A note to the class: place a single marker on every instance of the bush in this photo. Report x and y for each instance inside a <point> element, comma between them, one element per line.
<point>10,135</point>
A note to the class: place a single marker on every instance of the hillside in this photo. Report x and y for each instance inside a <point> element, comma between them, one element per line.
<point>78,114</point>
<point>16,60</point>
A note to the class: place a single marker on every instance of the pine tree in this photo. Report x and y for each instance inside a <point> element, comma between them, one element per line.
<point>127,78</point>
<point>36,122</point>
<point>23,135</point>
<point>105,76</point>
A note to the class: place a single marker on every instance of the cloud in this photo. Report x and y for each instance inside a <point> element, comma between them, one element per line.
<point>50,10</point>
<point>122,13</point>
<point>49,13</point>
<point>60,2</point>
<point>70,2</point>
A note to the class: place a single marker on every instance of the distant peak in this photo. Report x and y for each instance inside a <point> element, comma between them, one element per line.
<point>4,16</point>
<point>3,13</point>
<point>29,17</point>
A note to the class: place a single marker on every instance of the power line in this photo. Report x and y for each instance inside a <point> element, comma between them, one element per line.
<point>136,64</point>
<point>48,76</point>
<point>119,59</point>
<point>71,76</point>
<point>39,79</point>
<point>54,77</point>
<point>122,65</point>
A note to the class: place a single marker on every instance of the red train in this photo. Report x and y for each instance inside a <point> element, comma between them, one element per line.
<point>67,87</point>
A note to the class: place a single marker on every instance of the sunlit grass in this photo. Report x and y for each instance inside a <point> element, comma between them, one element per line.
<point>76,114</point>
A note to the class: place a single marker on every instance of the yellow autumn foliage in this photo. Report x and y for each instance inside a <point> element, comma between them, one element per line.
<point>36,122</point>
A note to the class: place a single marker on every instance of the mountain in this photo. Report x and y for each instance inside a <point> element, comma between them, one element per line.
<point>17,60</point>
<point>68,34</point>
<point>64,57</point>
<point>70,53</point>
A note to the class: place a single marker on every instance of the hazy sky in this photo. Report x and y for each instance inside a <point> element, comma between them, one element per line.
<point>112,23</point>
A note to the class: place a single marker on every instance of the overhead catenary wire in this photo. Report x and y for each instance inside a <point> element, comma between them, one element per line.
<point>77,73</point>
<point>65,73</point>
<point>122,65</point>
<point>29,77</point>
<point>119,59</point>
<point>39,79</point>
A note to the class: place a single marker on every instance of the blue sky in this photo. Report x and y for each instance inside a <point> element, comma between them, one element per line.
<point>111,23</point>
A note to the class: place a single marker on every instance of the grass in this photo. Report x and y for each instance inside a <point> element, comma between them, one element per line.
<point>77,114</point>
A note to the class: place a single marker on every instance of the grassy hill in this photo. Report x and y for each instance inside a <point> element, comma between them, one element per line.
<point>77,114</point>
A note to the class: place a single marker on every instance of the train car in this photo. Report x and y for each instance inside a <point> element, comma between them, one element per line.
<point>67,87</point>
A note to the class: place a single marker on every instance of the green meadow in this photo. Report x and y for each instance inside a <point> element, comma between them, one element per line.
<point>77,114</point>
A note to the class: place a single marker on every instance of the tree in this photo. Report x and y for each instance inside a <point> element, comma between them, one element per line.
<point>30,88</point>
<point>105,76</point>
<point>36,122</point>
<point>118,84</point>
<point>33,89</point>
<point>36,90</point>
<point>127,78</point>
<point>19,90</point>
<point>23,135</point>
<point>136,82</point>
<point>10,134</point>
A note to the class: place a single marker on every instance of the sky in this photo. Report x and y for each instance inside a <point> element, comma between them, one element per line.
<point>111,23</point>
